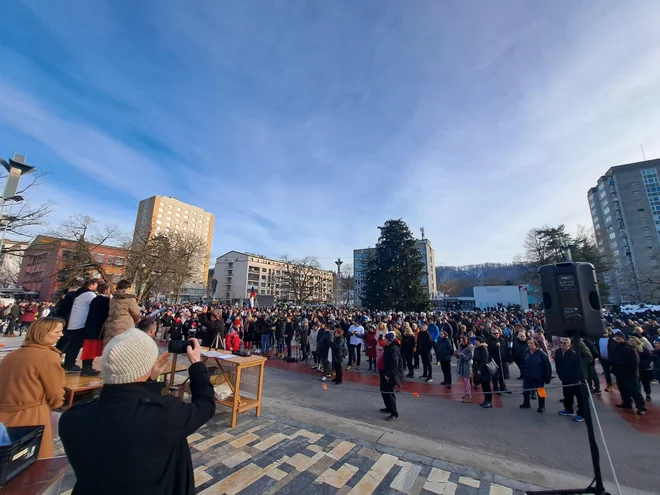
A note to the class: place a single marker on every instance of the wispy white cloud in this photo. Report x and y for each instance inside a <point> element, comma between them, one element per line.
<point>304,126</point>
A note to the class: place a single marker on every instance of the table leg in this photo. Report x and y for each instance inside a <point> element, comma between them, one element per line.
<point>237,396</point>
<point>259,389</point>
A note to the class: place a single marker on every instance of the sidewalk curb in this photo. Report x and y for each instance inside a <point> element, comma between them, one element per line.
<point>453,458</point>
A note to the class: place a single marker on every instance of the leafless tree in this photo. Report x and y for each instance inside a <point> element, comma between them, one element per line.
<point>300,278</point>
<point>88,238</point>
<point>347,283</point>
<point>164,263</point>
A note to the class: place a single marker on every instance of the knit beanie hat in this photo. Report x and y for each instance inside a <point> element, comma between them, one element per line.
<point>127,357</point>
<point>390,336</point>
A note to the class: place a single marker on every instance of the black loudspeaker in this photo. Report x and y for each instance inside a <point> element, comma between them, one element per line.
<point>571,300</point>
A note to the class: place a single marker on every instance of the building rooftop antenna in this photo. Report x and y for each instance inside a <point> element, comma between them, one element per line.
<point>643,154</point>
<point>422,231</point>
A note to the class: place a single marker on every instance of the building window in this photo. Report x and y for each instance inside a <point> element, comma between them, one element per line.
<point>634,183</point>
<point>119,261</point>
<point>635,193</point>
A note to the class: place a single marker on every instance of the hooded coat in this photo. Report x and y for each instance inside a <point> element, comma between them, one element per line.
<point>124,313</point>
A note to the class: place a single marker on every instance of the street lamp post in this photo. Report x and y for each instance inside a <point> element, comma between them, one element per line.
<point>339,262</point>
<point>16,168</point>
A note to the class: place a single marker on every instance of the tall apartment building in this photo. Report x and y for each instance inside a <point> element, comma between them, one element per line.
<point>163,214</point>
<point>236,273</point>
<point>360,257</point>
<point>625,209</point>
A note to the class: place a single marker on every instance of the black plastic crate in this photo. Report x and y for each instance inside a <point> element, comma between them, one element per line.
<point>23,451</point>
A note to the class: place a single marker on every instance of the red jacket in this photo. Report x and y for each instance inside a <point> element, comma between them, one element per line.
<point>232,342</point>
<point>371,344</point>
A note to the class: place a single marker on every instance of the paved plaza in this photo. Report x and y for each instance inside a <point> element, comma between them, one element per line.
<point>268,456</point>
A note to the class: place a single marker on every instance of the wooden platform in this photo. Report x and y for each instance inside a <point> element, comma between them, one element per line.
<point>74,383</point>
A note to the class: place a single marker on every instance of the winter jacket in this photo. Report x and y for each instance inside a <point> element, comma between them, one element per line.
<point>313,339</point>
<point>408,344</point>
<point>323,345</point>
<point>393,363</point>
<point>624,361</point>
<point>424,343</point>
<point>142,447</point>
<point>337,346</point>
<point>215,325</point>
<point>443,349</point>
<point>645,359</point>
<point>480,359</point>
<point>371,344</point>
<point>464,367</point>
<point>31,384</point>
<point>99,309</point>
<point>123,314</point>
<point>232,342</point>
<point>519,348</point>
<point>497,352</point>
<point>536,366</point>
<point>567,364</point>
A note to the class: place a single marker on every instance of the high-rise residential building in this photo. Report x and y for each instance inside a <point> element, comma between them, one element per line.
<point>625,208</point>
<point>360,257</point>
<point>237,273</point>
<point>163,214</point>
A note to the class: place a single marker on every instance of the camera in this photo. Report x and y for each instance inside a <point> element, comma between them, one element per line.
<point>178,346</point>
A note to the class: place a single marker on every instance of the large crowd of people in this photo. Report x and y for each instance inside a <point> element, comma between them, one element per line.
<point>487,346</point>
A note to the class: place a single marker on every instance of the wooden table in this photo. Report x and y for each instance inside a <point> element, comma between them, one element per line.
<point>236,402</point>
<point>41,478</point>
<point>74,383</point>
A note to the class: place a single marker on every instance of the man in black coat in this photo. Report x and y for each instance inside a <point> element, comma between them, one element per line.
<point>569,370</point>
<point>132,439</point>
<point>625,366</point>
<point>424,346</point>
<point>497,349</point>
<point>391,372</point>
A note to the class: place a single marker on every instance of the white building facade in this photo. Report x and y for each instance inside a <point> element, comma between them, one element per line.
<point>237,273</point>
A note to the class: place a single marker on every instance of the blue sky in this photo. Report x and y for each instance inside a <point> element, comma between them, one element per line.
<point>305,125</point>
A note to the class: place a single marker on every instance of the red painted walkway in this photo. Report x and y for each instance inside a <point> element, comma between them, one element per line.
<point>649,423</point>
<point>411,385</point>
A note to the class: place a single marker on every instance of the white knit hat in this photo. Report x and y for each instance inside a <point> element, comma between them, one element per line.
<point>127,357</point>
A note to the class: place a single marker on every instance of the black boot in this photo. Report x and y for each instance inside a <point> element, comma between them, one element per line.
<point>87,369</point>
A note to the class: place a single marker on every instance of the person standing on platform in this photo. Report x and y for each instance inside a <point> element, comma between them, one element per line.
<point>75,329</point>
<point>142,445</point>
<point>93,343</point>
<point>124,312</point>
<point>391,370</point>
